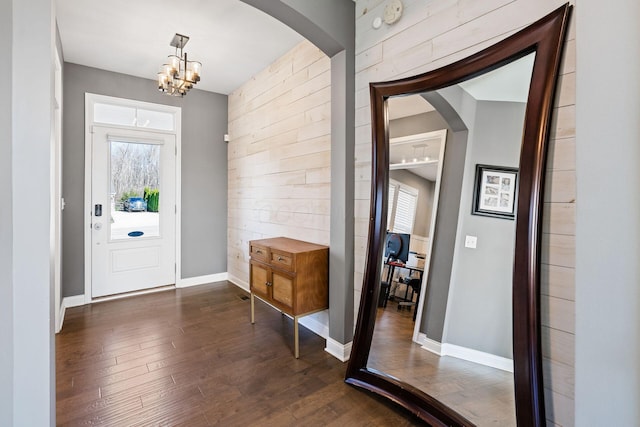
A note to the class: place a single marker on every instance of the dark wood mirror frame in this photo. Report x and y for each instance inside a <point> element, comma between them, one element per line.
<point>545,38</point>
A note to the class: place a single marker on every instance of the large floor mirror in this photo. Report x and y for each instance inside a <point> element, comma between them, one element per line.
<point>465,146</point>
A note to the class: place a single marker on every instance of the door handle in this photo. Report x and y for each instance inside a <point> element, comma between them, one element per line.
<point>97,210</point>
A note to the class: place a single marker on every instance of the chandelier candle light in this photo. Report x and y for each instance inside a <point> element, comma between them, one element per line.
<point>179,75</point>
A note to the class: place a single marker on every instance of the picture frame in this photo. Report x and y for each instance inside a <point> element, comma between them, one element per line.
<point>495,191</point>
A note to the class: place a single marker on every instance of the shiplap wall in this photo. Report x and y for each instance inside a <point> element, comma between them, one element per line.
<point>434,33</point>
<point>279,155</point>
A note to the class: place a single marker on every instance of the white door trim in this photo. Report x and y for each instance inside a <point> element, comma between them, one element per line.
<point>90,100</point>
<point>56,196</point>
<point>442,134</point>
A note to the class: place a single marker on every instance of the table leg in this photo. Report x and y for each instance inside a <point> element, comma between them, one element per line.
<point>296,338</point>
<point>253,309</point>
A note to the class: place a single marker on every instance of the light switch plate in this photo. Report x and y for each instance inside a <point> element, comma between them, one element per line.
<point>470,242</point>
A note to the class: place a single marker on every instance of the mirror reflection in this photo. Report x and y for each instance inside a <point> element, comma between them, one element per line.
<point>444,318</point>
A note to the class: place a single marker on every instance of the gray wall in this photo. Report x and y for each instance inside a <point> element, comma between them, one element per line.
<point>446,298</point>
<point>6,227</point>
<point>479,306</point>
<point>204,170</point>
<point>444,237</point>
<point>30,72</point>
<point>425,198</point>
<point>607,349</point>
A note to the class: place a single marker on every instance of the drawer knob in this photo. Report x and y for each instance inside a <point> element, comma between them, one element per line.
<point>280,258</point>
<point>258,251</point>
<point>269,284</point>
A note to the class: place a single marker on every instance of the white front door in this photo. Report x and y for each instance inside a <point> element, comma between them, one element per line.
<point>133,210</point>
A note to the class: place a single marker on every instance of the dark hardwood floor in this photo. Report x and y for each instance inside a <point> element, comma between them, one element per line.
<point>482,394</point>
<point>190,357</point>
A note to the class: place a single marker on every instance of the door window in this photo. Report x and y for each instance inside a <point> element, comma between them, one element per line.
<point>135,190</point>
<point>123,115</point>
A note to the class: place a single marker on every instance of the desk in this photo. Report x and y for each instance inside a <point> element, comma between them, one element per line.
<point>392,267</point>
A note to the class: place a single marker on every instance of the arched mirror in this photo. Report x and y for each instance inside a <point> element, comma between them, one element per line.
<point>449,319</point>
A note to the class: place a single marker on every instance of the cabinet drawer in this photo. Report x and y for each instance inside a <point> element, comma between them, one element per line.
<point>282,260</point>
<point>260,253</point>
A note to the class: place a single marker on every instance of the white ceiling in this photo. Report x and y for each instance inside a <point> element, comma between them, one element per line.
<point>509,83</point>
<point>404,106</point>
<point>418,154</point>
<point>233,40</point>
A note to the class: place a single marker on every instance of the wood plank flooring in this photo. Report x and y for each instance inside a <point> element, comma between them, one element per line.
<point>190,357</point>
<point>482,394</point>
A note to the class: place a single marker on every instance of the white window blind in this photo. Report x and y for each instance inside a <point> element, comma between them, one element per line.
<point>403,201</point>
<point>405,211</point>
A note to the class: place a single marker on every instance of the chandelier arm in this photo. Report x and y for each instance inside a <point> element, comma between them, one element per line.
<point>179,77</point>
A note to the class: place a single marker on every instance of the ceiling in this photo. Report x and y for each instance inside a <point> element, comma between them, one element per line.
<point>509,83</point>
<point>233,40</point>
<point>405,106</point>
<point>418,154</point>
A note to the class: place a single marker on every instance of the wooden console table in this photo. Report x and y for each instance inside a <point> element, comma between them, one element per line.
<point>290,275</point>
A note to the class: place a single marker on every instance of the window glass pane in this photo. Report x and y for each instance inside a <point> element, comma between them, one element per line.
<point>114,114</point>
<point>155,120</point>
<point>135,190</point>
<point>405,211</point>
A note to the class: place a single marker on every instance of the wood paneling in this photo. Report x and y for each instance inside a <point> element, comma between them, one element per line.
<point>557,281</point>
<point>562,154</point>
<point>558,345</point>
<point>280,154</point>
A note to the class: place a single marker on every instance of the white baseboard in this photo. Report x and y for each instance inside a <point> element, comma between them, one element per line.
<point>68,302</point>
<point>238,282</point>
<point>317,323</point>
<point>464,353</point>
<point>201,280</point>
<point>74,301</point>
<point>479,357</point>
<point>340,351</point>
<point>429,344</point>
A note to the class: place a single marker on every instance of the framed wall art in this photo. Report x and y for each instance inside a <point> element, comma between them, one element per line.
<point>495,191</point>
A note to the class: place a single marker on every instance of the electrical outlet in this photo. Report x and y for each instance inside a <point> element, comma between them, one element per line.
<point>470,242</point>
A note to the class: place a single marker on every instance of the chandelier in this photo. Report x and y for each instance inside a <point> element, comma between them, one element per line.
<point>180,74</point>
